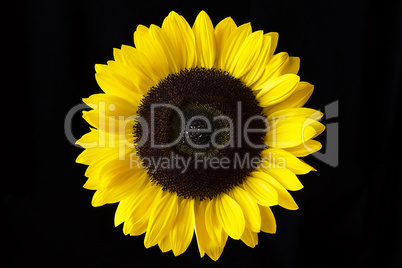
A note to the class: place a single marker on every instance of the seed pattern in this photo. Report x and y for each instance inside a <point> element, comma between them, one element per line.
<point>209,93</point>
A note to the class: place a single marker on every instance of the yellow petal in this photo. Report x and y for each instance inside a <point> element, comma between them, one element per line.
<point>113,105</point>
<point>117,181</point>
<point>214,252</point>
<point>258,67</point>
<point>307,116</point>
<point>117,55</point>
<point>145,43</point>
<point>96,158</point>
<point>113,132</point>
<point>205,243</point>
<point>97,198</point>
<point>89,140</point>
<point>230,216</point>
<point>140,65</point>
<point>222,32</point>
<point>112,168</point>
<point>182,233</point>
<point>298,98</point>
<point>165,244</point>
<point>261,191</point>
<point>278,90</point>
<point>115,86</point>
<point>308,147</point>
<point>92,183</point>
<point>249,208</point>
<point>290,132</point>
<point>292,66</point>
<point>101,68</point>
<point>232,46</point>
<point>273,69</point>
<point>212,224</point>
<point>247,54</point>
<point>87,156</point>
<point>274,42</point>
<point>124,184</point>
<point>297,112</point>
<point>182,39</point>
<point>93,171</point>
<point>199,226</point>
<point>249,237</point>
<point>205,40</point>
<point>285,177</point>
<point>318,127</point>
<point>284,198</point>
<point>162,218</point>
<point>95,119</point>
<point>285,159</point>
<point>118,68</point>
<point>139,209</point>
<point>126,205</point>
<point>121,211</point>
<point>268,223</point>
<point>122,73</point>
<point>163,40</point>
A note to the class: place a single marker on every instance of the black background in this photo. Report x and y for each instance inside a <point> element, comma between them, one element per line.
<point>349,215</point>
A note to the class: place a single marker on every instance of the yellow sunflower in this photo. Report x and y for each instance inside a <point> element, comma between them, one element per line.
<point>198,131</point>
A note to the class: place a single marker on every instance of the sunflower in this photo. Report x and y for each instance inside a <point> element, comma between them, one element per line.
<point>199,131</point>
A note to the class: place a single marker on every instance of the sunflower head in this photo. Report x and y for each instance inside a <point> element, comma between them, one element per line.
<point>199,131</point>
